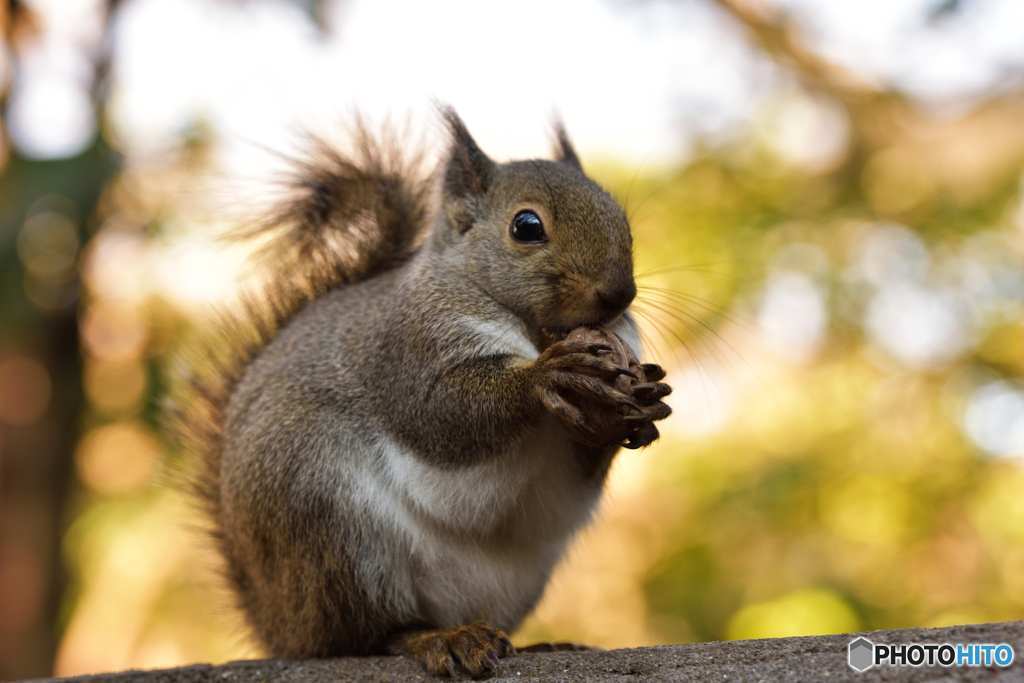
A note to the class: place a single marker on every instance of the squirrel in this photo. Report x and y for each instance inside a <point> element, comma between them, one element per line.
<point>392,462</point>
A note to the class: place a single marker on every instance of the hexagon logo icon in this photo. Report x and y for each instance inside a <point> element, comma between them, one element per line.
<point>862,652</point>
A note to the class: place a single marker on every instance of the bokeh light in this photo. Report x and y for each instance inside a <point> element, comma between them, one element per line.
<point>117,458</point>
<point>994,419</point>
<point>828,208</point>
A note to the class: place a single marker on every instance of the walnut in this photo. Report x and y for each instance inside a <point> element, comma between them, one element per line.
<point>607,421</point>
<point>621,354</point>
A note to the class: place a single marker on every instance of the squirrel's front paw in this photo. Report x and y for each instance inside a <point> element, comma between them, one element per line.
<point>647,392</point>
<point>476,648</point>
<point>594,384</point>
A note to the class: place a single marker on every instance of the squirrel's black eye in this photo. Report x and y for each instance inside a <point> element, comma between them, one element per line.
<point>527,227</point>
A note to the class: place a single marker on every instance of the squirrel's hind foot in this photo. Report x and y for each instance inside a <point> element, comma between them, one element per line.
<point>475,648</point>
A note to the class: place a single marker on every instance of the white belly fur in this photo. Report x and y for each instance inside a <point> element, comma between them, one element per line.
<point>480,542</point>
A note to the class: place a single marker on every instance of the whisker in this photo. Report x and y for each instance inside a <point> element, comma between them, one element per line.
<point>681,316</point>
<point>678,315</point>
<point>670,296</point>
<point>664,331</point>
<point>675,268</point>
<point>702,371</point>
<point>696,332</point>
<point>632,182</point>
<point>632,211</point>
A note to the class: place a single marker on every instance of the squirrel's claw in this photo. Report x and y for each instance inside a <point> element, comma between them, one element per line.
<point>657,411</point>
<point>476,647</point>
<point>586,364</point>
<point>566,347</point>
<point>565,411</point>
<point>592,388</point>
<point>652,390</point>
<point>596,406</point>
<point>448,669</point>
<point>644,435</point>
<point>653,372</point>
<point>650,413</point>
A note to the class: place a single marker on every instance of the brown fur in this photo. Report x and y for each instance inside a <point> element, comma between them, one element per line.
<point>375,434</point>
<point>343,219</point>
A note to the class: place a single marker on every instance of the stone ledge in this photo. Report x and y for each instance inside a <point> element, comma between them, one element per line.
<point>814,658</point>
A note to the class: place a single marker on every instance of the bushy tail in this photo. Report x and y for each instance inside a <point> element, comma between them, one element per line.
<point>344,218</point>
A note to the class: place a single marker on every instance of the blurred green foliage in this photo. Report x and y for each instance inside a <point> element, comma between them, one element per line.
<point>844,495</point>
<point>857,326</point>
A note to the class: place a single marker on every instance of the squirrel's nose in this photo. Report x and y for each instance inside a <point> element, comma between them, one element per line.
<point>615,298</point>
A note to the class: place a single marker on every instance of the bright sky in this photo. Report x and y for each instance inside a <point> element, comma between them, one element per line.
<point>632,80</point>
<point>635,81</point>
<point>941,60</point>
<point>617,76</point>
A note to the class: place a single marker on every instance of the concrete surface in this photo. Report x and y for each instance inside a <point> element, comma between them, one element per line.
<point>815,658</point>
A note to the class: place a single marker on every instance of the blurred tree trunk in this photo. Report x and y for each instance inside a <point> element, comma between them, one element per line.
<point>36,463</point>
<point>882,118</point>
<point>36,468</point>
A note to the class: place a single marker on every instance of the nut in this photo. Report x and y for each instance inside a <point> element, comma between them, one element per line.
<point>606,420</point>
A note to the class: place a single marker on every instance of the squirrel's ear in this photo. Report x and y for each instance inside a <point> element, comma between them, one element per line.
<point>469,171</point>
<point>564,151</point>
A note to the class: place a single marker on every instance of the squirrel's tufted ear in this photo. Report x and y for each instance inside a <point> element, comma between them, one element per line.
<point>467,174</point>
<point>469,170</point>
<point>564,151</point>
